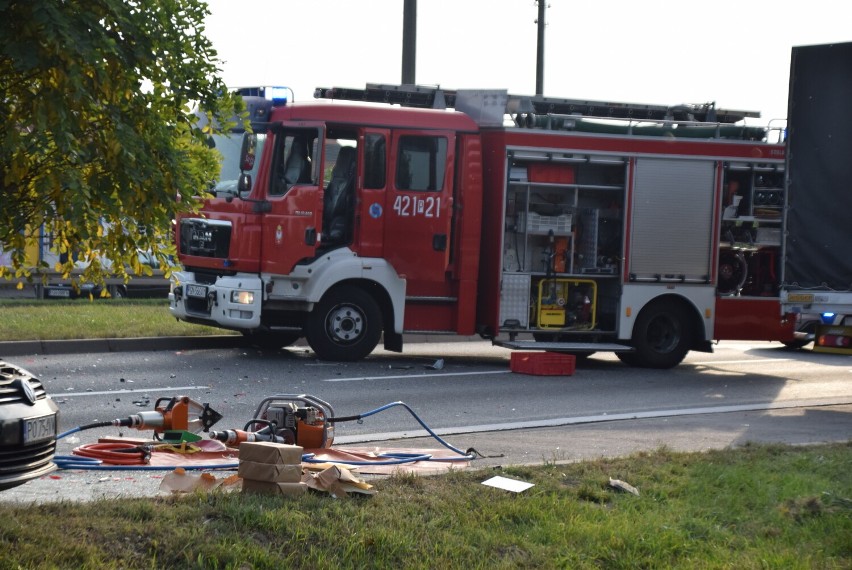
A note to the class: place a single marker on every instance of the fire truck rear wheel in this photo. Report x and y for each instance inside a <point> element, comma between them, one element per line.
<point>345,325</point>
<point>661,337</point>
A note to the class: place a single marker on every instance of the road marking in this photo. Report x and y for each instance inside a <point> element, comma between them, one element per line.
<point>557,422</point>
<point>125,391</point>
<point>402,376</point>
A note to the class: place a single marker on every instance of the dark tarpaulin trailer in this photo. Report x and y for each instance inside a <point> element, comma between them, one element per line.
<point>818,223</point>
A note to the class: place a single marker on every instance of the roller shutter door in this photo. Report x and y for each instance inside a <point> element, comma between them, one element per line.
<point>672,219</point>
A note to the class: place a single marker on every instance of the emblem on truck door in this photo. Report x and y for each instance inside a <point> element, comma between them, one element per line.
<point>279,235</point>
<point>202,235</point>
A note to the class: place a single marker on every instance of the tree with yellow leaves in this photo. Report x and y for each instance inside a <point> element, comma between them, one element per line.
<point>101,143</point>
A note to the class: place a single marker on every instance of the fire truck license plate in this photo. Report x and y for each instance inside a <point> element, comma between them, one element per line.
<point>196,291</point>
<point>38,429</point>
<point>801,298</point>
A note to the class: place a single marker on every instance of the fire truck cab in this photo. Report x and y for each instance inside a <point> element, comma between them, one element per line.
<point>352,215</point>
<point>650,233</point>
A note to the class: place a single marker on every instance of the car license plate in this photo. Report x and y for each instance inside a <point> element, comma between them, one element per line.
<point>58,293</point>
<point>38,429</point>
<point>196,291</point>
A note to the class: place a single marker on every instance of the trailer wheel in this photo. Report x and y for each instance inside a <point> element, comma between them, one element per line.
<point>345,325</point>
<point>271,340</point>
<point>661,337</point>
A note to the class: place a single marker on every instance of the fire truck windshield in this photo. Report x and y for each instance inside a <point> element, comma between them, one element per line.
<point>229,148</point>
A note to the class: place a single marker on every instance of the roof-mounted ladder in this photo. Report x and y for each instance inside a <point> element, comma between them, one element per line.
<point>438,98</point>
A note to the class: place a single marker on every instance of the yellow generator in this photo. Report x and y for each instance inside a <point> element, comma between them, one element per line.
<point>566,304</point>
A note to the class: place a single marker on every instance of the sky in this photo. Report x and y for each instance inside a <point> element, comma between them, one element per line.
<point>736,53</point>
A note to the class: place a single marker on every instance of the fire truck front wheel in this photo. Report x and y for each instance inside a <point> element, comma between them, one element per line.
<point>345,325</point>
<point>661,337</point>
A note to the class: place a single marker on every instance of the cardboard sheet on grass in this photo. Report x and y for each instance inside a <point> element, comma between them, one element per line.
<point>215,453</point>
<point>442,459</point>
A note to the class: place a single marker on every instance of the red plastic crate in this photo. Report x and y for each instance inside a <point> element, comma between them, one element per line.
<point>543,363</point>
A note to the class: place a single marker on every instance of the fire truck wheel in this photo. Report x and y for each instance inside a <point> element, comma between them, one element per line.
<point>271,340</point>
<point>345,325</point>
<point>661,337</point>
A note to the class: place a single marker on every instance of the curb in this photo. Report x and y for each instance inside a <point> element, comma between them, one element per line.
<point>81,346</point>
<point>142,344</point>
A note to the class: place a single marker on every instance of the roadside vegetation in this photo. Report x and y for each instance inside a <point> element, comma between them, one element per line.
<point>753,507</point>
<point>29,319</point>
<point>101,142</point>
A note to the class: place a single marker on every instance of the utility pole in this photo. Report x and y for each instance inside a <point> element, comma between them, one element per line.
<point>539,66</point>
<point>409,42</point>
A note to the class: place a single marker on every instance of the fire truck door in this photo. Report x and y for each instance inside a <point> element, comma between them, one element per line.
<point>419,206</point>
<point>292,222</point>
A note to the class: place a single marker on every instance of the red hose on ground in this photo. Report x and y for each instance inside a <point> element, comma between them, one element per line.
<point>114,453</point>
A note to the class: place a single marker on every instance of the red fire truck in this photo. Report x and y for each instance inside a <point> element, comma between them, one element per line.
<point>536,222</point>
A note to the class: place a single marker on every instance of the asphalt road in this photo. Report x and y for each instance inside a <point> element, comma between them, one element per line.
<point>743,392</point>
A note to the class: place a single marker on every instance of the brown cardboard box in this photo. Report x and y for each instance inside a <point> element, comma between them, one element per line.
<point>271,472</point>
<point>337,482</point>
<point>269,488</point>
<point>268,452</point>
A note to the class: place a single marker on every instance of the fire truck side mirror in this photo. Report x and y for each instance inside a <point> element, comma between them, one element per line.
<point>248,151</point>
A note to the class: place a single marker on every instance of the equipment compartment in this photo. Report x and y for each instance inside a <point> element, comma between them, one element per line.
<point>563,231</point>
<point>750,237</point>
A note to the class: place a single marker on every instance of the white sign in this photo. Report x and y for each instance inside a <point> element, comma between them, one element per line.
<point>508,484</point>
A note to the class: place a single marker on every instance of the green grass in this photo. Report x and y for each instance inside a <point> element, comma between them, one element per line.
<point>754,507</point>
<point>101,318</point>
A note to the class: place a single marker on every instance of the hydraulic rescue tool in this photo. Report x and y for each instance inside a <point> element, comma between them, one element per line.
<point>301,420</point>
<point>179,413</point>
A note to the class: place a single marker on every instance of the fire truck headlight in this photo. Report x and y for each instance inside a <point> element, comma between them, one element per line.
<point>242,297</point>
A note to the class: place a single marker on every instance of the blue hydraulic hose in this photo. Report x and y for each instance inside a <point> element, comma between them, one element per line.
<point>421,422</point>
<point>399,458</point>
<point>81,428</point>
<point>77,462</point>
<point>69,432</point>
<point>393,459</point>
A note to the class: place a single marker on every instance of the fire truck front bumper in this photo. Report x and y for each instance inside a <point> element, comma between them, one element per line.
<point>229,302</point>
